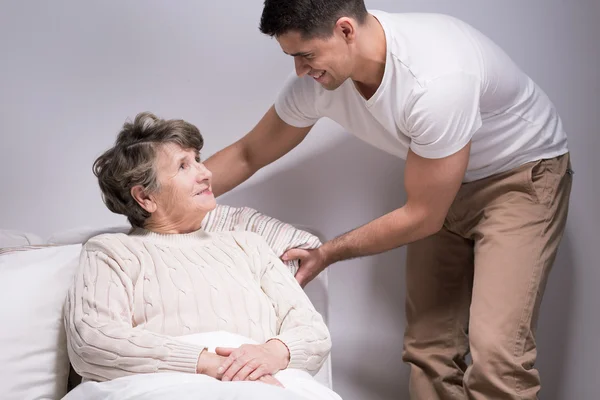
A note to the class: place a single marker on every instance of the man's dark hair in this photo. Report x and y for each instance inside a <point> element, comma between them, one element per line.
<point>311,18</point>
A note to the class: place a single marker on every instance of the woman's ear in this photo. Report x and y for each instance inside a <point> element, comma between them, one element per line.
<point>143,199</point>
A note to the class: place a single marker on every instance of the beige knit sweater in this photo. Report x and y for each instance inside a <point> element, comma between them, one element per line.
<point>134,294</point>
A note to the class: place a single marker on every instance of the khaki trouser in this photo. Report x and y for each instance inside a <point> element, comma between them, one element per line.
<point>477,285</point>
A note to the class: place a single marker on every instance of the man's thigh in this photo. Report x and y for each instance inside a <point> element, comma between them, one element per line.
<point>438,278</point>
<point>516,240</point>
<point>517,223</point>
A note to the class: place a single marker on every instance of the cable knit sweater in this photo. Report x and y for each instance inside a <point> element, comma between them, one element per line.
<point>135,293</point>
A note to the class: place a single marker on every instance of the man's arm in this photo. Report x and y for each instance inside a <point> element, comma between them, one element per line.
<point>270,139</point>
<point>431,186</point>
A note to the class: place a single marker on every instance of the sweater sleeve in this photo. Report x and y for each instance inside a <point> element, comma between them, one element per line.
<point>299,326</point>
<point>102,342</point>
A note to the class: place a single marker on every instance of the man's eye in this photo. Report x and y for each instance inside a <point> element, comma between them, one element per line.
<point>182,166</point>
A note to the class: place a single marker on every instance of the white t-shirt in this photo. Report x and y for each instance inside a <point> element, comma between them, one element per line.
<point>444,84</point>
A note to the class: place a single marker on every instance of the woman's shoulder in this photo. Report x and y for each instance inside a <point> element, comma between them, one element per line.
<point>245,238</point>
<point>246,241</point>
<point>111,243</point>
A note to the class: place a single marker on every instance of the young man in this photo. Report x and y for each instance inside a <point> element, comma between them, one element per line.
<point>487,178</point>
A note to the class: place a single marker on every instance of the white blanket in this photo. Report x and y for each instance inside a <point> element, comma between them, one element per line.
<point>299,385</point>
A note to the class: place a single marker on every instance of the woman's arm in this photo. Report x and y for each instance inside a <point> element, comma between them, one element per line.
<point>102,342</point>
<point>300,327</point>
<point>303,340</point>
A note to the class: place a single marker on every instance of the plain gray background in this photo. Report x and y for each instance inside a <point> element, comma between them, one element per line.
<point>72,72</point>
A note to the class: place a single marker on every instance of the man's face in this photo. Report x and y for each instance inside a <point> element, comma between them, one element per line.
<point>327,60</point>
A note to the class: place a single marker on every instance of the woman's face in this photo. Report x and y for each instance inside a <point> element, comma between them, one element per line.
<point>184,195</point>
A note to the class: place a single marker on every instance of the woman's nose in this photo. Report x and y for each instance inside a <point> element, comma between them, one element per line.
<point>203,172</point>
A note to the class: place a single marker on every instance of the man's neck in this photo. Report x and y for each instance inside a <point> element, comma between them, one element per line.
<point>371,58</point>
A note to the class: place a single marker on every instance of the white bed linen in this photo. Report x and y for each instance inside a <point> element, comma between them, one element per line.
<point>299,385</point>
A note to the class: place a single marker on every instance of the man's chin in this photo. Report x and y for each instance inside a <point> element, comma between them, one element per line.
<point>330,86</point>
<point>333,85</point>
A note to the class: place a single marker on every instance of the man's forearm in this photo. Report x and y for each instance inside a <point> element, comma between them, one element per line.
<point>230,167</point>
<point>388,232</point>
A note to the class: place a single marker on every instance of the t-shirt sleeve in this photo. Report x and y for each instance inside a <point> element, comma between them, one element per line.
<point>444,116</point>
<point>295,103</point>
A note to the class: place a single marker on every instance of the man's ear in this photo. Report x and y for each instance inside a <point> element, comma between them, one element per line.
<point>143,199</point>
<point>346,26</point>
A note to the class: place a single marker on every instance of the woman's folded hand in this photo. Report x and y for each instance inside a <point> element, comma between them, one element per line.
<point>209,363</point>
<point>252,362</point>
<point>271,380</point>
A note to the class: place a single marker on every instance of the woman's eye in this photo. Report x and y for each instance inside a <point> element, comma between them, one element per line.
<point>182,166</point>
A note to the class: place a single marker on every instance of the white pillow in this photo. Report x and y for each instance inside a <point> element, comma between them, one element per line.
<point>10,238</point>
<point>33,358</point>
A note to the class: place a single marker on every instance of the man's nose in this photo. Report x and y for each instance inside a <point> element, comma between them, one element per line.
<point>301,67</point>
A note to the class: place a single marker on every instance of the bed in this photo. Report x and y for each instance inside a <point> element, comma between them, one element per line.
<point>34,277</point>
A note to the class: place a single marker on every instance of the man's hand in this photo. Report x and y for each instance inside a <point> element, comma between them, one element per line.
<point>209,363</point>
<point>252,362</point>
<point>312,263</point>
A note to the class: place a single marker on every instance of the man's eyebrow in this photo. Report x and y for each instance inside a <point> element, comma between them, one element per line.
<point>299,54</point>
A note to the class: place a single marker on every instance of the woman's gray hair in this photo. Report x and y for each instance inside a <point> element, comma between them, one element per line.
<point>131,161</point>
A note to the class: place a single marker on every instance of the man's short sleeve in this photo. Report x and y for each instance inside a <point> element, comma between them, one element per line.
<point>444,116</point>
<point>295,103</point>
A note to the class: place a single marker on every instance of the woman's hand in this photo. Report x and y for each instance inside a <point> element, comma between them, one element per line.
<point>209,363</point>
<point>251,362</point>
<point>271,380</point>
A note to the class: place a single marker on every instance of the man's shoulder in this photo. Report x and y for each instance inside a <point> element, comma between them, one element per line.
<point>418,33</point>
<point>413,16</point>
<point>301,85</point>
<point>302,101</point>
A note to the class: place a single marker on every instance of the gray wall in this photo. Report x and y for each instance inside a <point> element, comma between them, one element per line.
<point>72,72</point>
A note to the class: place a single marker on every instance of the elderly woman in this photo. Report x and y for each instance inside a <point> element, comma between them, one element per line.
<point>136,293</point>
